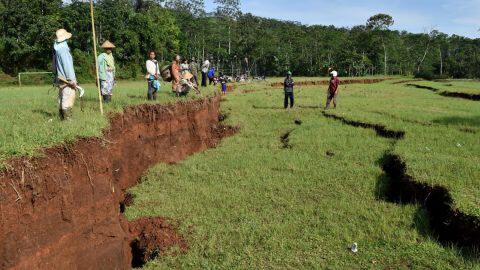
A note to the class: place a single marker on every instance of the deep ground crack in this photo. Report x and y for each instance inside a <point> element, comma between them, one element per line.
<point>448,224</point>
<point>474,97</point>
<point>381,130</point>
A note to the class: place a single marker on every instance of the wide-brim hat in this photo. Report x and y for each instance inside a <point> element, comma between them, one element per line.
<point>108,45</point>
<point>62,35</point>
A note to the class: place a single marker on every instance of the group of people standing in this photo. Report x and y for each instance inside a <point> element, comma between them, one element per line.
<point>332,92</point>
<point>183,74</point>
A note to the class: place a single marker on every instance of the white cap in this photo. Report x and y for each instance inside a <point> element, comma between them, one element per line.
<point>334,73</point>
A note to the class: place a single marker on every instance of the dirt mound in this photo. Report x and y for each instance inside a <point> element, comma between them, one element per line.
<point>62,210</point>
<point>381,130</point>
<point>152,237</point>
<point>326,82</point>
<point>448,224</point>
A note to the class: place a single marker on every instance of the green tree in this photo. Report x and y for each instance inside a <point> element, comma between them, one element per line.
<point>380,24</point>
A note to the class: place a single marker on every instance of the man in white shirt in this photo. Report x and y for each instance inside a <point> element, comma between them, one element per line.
<point>153,74</point>
<point>205,69</point>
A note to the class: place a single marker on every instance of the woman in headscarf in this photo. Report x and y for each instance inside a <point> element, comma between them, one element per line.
<point>106,71</point>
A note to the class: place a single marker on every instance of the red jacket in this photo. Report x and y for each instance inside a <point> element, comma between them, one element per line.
<point>333,87</point>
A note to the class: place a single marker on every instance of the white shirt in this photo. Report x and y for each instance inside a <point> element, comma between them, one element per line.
<point>152,68</point>
<point>205,66</point>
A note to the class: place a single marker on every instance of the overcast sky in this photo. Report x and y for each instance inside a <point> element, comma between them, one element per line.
<point>461,17</point>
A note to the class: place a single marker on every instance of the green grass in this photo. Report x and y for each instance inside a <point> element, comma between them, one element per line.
<point>249,204</point>
<point>29,115</point>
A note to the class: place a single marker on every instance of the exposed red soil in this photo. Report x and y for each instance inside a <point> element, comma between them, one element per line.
<point>326,82</point>
<point>153,237</point>
<point>61,210</point>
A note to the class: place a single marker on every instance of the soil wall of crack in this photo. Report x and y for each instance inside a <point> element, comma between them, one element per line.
<point>62,210</point>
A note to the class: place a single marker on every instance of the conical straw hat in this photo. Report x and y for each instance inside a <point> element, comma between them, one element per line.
<point>62,35</point>
<point>108,45</point>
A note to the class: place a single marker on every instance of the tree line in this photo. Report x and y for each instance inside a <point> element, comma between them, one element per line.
<point>236,42</point>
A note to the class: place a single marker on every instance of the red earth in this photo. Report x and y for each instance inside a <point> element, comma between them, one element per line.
<point>62,209</point>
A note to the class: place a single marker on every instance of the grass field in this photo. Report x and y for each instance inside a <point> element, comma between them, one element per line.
<point>251,204</point>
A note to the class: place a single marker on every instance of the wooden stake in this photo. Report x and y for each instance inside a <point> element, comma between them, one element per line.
<point>96,58</point>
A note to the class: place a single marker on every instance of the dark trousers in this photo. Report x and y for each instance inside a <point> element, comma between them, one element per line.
<point>331,97</point>
<point>204,79</point>
<point>289,97</point>
<point>195,79</point>
<point>152,92</point>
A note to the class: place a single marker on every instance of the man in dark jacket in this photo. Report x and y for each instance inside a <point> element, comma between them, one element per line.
<point>333,90</point>
<point>288,88</point>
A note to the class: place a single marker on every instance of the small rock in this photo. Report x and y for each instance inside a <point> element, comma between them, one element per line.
<point>354,248</point>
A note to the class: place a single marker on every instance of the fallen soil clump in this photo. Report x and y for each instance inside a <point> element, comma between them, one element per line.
<point>381,130</point>
<point>449,225</point>
<point>153,237</point>
<point>62,210</point>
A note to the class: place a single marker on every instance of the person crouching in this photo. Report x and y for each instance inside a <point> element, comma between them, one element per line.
<point>288,89</point>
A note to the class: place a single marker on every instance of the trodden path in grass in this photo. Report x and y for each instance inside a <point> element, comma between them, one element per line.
<point>254,203</point>
<point>63,210</point>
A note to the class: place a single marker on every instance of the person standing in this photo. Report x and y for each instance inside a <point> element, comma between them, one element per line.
<point>332,93</point>
<point>106,71</point>
<point>185,67</point>
<point>211,76</point>
<point>176,73</point>
<point>223,82</point>
<point>64,71</point>
<point>205,69</point>
<point>194,70</point>
<point>153,74</point>
<point>288,89</point>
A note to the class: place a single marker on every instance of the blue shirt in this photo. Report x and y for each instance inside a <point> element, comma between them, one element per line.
<point>64,61</point>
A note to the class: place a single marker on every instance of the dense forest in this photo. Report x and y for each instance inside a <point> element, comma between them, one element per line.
<point>236,42</point>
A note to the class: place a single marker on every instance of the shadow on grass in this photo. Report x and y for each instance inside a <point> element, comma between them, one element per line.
<point>310,107</point>
<point>268,107</point>
<point>44,113</point>
<point>459,121</point>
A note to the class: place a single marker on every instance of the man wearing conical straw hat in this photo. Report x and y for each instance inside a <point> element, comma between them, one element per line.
<point>64,74</point>
<point>106,71</point>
